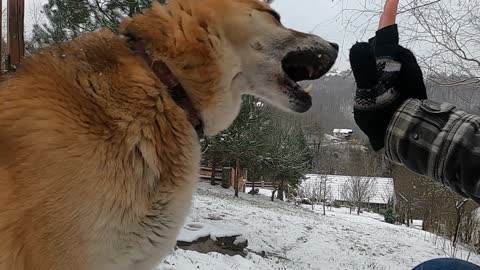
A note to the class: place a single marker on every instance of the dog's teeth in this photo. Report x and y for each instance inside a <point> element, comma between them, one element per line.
<point>310,71</point>
<point>309,89</point>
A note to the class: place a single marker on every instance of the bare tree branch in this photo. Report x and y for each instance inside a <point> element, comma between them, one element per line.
<point>445,35</point>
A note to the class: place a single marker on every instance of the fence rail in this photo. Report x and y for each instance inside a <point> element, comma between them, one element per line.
<point>261,184</point>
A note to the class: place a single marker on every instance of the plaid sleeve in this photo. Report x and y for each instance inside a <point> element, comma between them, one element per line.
<point>439,141</point>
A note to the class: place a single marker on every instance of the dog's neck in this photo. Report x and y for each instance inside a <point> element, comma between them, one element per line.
<point>175,88</point>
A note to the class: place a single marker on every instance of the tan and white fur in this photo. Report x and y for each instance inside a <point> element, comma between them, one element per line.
<point>97,162</point>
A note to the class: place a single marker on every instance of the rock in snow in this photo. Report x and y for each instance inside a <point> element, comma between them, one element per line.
<point>206,238</point>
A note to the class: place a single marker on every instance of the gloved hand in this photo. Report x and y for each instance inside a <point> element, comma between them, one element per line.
<point>386,75</point>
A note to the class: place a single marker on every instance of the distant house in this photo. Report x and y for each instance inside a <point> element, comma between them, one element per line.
<point>383,189</point>
<point>343,133</point>
<point>327,140</point>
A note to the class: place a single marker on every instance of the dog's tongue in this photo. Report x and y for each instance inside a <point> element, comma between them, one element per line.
<point>309,89</point>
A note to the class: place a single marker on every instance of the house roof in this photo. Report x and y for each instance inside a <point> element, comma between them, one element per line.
<point>384,188</point>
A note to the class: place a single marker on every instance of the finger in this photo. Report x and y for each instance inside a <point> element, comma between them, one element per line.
<point>364,65</point>
<point>389,14</point>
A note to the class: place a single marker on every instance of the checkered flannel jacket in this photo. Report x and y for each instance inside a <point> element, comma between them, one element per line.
<point>439,141</point>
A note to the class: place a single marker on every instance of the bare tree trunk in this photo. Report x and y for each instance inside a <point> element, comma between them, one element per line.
<point>324,196</point>
<point>274,190</point>
<point>459,211</point>
<point>236,180</point>
<point>214,170</point>
<point>359,206</point>
<point>407,216</point>
<point>281,190</point>
<point>273,194</point>
<point>425,220</point>
<point>244,184</point>
<point>457,227</point>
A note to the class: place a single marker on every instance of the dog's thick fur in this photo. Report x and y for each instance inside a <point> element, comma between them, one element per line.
<point>97,162</point>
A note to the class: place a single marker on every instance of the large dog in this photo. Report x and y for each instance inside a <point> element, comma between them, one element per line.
<point>99,149</point>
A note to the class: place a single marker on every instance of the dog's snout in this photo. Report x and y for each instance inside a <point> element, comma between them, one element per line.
<point>334,45</point>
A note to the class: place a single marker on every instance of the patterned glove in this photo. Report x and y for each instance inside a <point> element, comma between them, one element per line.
<point>386,75</point>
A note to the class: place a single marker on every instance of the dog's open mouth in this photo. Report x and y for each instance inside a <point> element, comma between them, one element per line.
<point>300,66</point>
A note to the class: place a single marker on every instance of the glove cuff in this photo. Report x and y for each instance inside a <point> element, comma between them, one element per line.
<point>375,123</point>
<point>386,41</point>
<point>387,36</point>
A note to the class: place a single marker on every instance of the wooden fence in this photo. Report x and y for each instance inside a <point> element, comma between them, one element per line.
<point>260,184</point>
<point>206,174</point>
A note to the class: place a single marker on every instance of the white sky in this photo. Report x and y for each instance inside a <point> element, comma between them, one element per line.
<point>321,17</point>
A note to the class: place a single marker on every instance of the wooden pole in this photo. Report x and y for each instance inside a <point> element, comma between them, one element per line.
<point>15,40</point>
<point>1,39</point>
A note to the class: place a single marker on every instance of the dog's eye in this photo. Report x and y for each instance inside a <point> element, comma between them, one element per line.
<point>275,15</point>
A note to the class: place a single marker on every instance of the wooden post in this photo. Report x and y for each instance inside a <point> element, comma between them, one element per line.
<point>244,182</point>
<point>1,40</point>
<point>226,177</point>
<point>15,40</point>
<point>213,176</point>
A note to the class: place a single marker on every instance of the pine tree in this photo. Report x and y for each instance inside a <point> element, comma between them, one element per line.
<point>291,156</point>
<point>390,216</point>
<point>67,19</point>
<point>270,144</point>
<point>245,140</point>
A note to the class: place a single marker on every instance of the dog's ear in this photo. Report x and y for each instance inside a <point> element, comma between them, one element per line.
<point>156,17</point>
<point>124,25</point>
<point>156,6</point>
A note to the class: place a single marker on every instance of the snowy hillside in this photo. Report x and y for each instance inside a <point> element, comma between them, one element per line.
<point>293,237</point>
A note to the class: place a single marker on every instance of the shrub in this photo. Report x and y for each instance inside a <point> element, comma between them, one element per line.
<point>390,216</point>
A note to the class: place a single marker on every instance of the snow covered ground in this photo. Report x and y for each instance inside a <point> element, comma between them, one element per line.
<point>294,237</point>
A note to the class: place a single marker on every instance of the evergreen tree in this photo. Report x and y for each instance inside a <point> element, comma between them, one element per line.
<point>67,19</point>
<point>390,216</point>
<point>245,140</point>
<point>290,155</point>
<point>268,143</point>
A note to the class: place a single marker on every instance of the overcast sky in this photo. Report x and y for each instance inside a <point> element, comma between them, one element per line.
<point>325,19</point>
<point>321,17</point>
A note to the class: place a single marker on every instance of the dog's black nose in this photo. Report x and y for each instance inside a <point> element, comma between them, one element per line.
<point>334,45</point>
